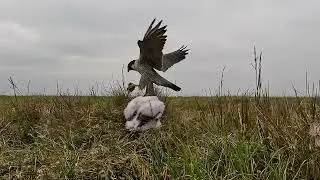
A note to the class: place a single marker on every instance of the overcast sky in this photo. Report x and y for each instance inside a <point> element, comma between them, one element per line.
<point>77,43</point>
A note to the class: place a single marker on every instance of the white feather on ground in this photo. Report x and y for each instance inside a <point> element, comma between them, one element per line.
<point>143,113</point>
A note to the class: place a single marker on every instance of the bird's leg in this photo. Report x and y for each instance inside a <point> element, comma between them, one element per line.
<point>150,90</point>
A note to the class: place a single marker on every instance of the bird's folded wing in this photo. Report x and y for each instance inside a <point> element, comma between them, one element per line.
<point>152,45</point>
<point>172,58</point>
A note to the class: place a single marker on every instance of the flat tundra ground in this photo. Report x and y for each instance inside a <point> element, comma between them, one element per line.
<point>228,137</point>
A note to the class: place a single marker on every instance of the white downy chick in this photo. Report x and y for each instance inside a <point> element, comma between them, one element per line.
<point>135,103</point>
<point>143,113</point>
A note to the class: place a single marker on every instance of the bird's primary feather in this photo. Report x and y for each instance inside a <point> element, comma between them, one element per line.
<point>172,58</point>
<point>152,45</point>
<point>151,49</point>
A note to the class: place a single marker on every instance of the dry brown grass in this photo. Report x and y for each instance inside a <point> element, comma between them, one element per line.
<point>203,138</point>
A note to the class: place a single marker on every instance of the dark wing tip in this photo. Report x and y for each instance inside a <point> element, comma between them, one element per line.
<point>184,50</point>
<point>155,29</point>
<point>150,27</point>
<point>158,25</point>
<point>151,24</point>
<point>174,87</point>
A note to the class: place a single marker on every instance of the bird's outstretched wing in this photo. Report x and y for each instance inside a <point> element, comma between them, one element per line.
<point>172,58</point>
<point>152,45</point>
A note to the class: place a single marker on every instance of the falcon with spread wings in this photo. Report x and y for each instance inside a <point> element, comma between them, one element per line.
<point>151,58</point>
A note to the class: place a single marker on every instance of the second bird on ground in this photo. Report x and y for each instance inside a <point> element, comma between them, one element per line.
<point>151,58</point>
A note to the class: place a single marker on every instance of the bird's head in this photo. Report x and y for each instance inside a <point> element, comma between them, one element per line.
<point>130,65</point>
<point>131,87</point>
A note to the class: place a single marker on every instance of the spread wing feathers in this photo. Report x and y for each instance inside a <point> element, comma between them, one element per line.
<point>172,58</point>
<point>152,45</point>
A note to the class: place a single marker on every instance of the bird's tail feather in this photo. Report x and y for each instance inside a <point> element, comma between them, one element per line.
<point>174,87</point>
<point>159,80</point>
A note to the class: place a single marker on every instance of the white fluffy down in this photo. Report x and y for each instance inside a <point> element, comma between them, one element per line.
<point>136,103</point>
<point>149,106</point>
<point>137,92</point>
